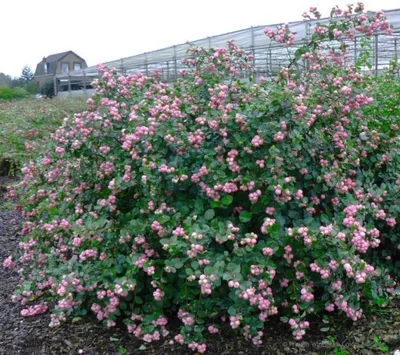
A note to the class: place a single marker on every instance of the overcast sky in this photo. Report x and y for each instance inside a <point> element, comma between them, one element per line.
<point>101,31</point>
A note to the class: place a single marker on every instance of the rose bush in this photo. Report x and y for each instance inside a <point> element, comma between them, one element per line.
<point>217,200</point>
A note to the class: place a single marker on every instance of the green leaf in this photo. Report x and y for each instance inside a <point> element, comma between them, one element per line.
<point>245,216</point>
<point>176,263</point>
<point>163,218</point>
<point>215,204</point>
<point>379,301</point>
<point>227,200</point>
<point>209,214</point>
<point>198,206</point>
<point>232,311</point>
<point>53,211</point>
<point>27,285</point>
<point>122,350</point>
<point>325,219</point>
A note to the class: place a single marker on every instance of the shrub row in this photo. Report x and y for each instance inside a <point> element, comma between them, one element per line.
<point>215,200</point>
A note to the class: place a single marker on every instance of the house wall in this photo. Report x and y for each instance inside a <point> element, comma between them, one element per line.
<point>71,59</point>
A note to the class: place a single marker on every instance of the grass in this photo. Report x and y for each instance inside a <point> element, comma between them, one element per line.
<point>26,124</point>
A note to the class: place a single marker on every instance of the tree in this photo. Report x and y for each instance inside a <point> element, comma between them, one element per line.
<point>5,80</point>
<point>17,82</point>
<point>26,74</point>
<point>48,89</point>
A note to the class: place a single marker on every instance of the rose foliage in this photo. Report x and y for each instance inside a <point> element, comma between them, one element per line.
<point>215,199</point>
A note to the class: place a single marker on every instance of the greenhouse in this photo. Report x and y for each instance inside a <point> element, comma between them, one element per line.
<point>268,56</point>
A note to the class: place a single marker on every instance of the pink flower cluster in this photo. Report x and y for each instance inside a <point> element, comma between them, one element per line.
<point>34,310</point>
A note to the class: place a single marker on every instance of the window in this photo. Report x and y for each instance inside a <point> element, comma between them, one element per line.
<point>65,68</point>
<point>77,66</point>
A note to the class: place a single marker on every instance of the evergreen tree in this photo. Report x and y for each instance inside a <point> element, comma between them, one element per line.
<point>27,74</point>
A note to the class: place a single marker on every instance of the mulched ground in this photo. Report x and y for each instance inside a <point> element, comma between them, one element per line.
<point>377,333</point>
